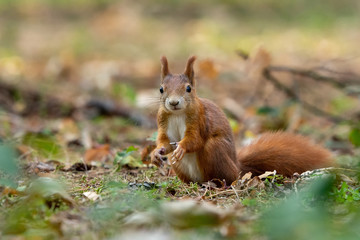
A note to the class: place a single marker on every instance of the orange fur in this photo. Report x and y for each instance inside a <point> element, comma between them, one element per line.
<point>206,148</point>
<point>284,152</point>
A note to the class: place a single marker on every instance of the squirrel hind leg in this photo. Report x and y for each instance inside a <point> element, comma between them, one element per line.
<point>219,158</point>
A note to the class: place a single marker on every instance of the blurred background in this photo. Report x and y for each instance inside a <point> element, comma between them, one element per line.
<point>79,92</point>
<point>59,56</point>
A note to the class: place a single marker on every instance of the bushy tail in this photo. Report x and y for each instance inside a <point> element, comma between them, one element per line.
<point>284,152</point>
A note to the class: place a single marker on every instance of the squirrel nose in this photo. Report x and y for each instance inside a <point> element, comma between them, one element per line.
<point>174,102</point>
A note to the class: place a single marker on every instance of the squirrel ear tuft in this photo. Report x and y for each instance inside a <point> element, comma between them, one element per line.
<point>164,67</point>
<point>189,70</point>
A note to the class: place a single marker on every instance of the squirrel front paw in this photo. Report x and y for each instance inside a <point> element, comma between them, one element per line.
<point>178,154</point>
<point>158,156</point>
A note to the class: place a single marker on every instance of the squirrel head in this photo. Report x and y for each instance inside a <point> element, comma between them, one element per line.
<point>177,90</point>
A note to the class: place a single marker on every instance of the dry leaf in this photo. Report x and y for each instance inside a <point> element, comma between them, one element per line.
<point>91,195</point>
<point>267,173</point>
<point>23,149</point>
<point>145,153</point>
<point>256,182</point>
<point>181,214</point>
<point>65,223</point>
<point>246,177</point>
<point>142,219</point>
<point>44,167</point>
<point>259,59</point>
<point>9,191</point>
<point>209,185</point>
<point>228,230</point>
<point>79,167</point>
<point>192,214</point>
<point>100,153</point>
<point>347,179</point>
<point>208,69</point>
<point>238,184</point>
<point>68,130</point>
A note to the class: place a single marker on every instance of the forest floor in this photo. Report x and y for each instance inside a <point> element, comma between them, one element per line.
<point>81,177</point>
<point>78,118</point>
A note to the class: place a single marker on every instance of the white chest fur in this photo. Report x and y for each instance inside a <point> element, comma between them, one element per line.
<point>176,127</point>
<point>176,132</point>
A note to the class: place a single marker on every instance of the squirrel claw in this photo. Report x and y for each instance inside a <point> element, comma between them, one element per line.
<point>158,157</point>
<point>178,154</point>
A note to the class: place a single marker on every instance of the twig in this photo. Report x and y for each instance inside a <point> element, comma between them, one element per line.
<point>37,103</point>
<point>237,196</point>
<point>291,94</point>
<point>337,82</point>
<point>231,191</point>
<point>345,74</point>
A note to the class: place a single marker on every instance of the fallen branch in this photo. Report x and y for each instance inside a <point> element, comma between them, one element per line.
<point>44,105</point>
<point>292,95</point>
<point>34,103</point>
<point>337,82</point>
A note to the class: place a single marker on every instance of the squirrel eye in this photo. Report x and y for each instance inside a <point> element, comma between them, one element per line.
<point>188,88</point>
<point>162,90</point>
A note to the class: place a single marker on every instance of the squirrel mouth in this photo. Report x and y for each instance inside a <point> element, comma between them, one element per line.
<point>175,108</point>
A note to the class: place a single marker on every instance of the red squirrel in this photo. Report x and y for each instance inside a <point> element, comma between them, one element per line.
<point>204,141</point>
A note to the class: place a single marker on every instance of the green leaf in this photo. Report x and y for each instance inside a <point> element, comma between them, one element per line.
<point>49,189</point>
<point>32,211</point>
<point>131,162</point>
<point>342,104</point>
<point>354,137</point>
<point>124,153</point>
<point>234,125</point>
<point>125,91</point>
<point>124,158</point>
<point>131,149</point>
<point>8,166</point>
<point>8,160</point>
<point>45,145</point>
<point>299,212</point>
<point>267,110</point>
